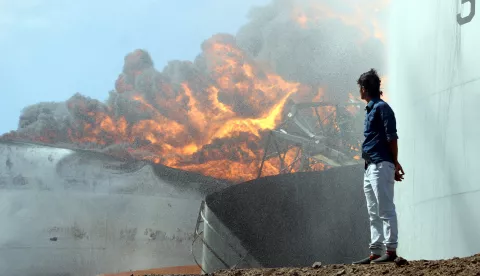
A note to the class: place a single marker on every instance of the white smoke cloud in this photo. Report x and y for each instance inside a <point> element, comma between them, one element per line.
<point>331,49</point>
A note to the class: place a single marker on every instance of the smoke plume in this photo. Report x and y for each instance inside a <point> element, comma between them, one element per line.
<point>211,115</point>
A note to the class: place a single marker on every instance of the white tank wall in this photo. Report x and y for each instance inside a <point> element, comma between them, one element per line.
<point>434,69</point>
<point>105,217</point>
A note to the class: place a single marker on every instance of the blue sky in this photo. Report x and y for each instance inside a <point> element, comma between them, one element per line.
<point>51,49</point>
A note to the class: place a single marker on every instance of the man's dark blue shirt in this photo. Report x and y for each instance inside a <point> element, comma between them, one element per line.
<point>380,128</point>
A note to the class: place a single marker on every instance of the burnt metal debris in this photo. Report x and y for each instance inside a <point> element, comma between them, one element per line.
<point>319,133</point>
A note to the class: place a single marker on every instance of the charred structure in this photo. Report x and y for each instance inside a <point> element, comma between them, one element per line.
<point>314,136</point>
<point>238,229</point>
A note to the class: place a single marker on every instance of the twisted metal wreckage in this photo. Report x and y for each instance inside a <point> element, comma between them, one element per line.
<point>314,133</point>
<point>331,139</point>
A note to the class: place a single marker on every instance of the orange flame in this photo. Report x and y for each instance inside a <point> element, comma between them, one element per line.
<point>209,124</point>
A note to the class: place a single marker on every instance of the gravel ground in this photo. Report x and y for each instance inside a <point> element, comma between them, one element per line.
<point>456,266</point>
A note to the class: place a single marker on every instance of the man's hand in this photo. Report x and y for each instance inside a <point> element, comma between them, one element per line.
<point>399,173</point>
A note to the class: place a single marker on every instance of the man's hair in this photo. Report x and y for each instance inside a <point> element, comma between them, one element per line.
<point>371,82</point>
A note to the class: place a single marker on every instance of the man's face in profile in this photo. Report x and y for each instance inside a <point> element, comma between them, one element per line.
<point>362,92</point>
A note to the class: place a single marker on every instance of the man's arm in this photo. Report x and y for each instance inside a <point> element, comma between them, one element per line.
<point>390,125</point>
<point>398,168</point>
<point>394,148</point>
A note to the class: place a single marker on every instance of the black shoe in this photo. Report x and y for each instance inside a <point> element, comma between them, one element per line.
<point>385,259</point>
<point>366,260</point>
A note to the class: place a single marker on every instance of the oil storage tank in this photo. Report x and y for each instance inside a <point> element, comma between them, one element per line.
<point>287,220</point>
<point>82,213</point>
<point>434,88</point>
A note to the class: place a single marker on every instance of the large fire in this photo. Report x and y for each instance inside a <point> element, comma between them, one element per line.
<point>209,116</point>
<point>211,123</point>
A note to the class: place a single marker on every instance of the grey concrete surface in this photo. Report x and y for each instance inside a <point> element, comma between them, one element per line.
<point>434,88</point>
<point>80,213</point>
<point>294,219</point>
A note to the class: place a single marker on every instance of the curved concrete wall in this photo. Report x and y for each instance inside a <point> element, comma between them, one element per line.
<point>434,88</point>
<point>291,220</point>
<point>67,212</point>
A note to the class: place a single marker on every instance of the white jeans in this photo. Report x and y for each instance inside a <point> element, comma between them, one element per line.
<point>378,185</point>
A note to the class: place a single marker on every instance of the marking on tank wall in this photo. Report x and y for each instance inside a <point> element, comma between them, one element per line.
<point>464,20</point>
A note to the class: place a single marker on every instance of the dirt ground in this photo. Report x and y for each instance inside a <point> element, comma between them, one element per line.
<point>456,266</point>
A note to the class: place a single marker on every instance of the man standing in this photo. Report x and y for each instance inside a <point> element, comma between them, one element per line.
<point>382,169</point>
